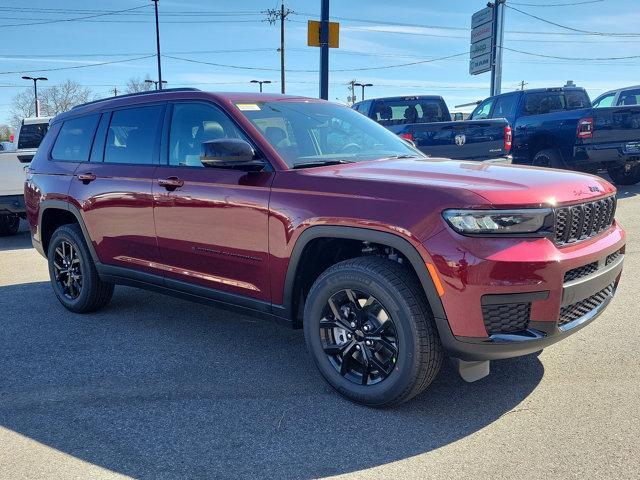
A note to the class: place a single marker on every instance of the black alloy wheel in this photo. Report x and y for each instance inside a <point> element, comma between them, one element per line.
<point>68,270</point>
<point>359,337</point>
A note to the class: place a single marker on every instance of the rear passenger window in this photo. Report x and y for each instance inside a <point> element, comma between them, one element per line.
<point>74,140</point>
<point>505,106</point>
<point>132,136</point>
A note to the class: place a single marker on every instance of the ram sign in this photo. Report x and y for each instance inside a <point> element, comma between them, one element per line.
<point>481,50</point>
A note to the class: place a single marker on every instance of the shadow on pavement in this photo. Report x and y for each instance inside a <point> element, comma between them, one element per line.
<point>19,241</point>
<point>157,387</point>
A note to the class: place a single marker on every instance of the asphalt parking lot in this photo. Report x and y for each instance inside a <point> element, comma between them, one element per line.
<point>154,387</point>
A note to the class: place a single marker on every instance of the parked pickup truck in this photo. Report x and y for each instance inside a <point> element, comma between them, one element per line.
<point>618,98</point>
<point>12,172</point>
<point>426,121</point>
<point>557,127</point>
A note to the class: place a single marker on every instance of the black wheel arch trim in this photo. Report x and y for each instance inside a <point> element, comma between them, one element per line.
<point>75,211</point>
<point>365,235</point>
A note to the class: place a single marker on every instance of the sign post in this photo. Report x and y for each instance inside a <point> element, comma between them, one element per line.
<point>487,32</point>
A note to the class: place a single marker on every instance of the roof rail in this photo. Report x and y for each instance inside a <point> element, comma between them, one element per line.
<point>138,94</point>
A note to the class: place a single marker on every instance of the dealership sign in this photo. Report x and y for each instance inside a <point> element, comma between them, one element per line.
<point>482,37</point>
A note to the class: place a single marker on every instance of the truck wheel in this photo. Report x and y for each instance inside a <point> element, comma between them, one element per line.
<point>9,224</point>
<point>622,177</point>
<point>73,274</point>
<point>548,159</point>
<point>370,332</point>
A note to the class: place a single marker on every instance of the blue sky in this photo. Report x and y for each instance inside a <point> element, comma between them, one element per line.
<point>233,33</point>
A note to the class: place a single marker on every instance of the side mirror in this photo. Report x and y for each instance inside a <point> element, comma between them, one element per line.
<point>457,117</point>
<point>227,153</point>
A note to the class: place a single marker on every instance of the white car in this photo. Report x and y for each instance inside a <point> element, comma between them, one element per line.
<point>12,172</point>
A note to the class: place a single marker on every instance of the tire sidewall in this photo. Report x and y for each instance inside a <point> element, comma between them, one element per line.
<point>407,363</point>
<point>69,235</point>
<point>620,177</point>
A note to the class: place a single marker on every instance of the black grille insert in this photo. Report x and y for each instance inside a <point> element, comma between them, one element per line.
<point>506,317</point>
<point>586,220</point>
<point>613,257</point>
<point>583,307</point>
<point>580,272</point>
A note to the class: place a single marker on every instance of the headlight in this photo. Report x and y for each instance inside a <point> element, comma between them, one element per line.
<point>489,222</point>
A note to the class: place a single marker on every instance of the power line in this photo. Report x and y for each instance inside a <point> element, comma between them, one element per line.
<point>76,18</point>
<point>572,58</point>
<point>77,66</point>
<point>585,32</point>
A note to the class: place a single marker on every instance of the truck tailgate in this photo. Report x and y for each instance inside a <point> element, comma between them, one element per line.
<point>618,125</point>
<point>468,140</point>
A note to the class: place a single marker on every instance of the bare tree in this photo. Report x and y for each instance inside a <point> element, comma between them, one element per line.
<point>53,100</point>
<point>136,84</point>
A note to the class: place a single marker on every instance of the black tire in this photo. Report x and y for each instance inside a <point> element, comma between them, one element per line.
<point>9,224</point>
<point>419,353</point>
<point>87,293</point>
<point>620,177</point>
<point>548,159</point>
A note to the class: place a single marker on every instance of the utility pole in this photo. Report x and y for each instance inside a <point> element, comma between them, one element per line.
<point>498,40</point>
<point>273,15</point>
<point>363,85</point>
<point>352,88</point>
<point>324,50</point>
<point>522,84</point>
<point>115,91</point>
<point>35,90</point>
<point>155,3</point>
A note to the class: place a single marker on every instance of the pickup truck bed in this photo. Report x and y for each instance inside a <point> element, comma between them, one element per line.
<point>426,121</point>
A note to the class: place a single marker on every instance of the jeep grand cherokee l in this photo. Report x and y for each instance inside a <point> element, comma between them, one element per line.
<point>312,214</point>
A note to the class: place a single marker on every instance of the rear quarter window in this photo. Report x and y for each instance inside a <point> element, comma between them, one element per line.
<point>74,140</point>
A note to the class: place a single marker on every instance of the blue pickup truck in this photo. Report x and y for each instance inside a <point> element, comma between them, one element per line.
<point>425,121</point>
<point>557,127</point>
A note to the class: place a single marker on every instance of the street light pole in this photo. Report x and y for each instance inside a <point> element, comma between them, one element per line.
<point>35,90</point>
<point>159,85</point>
<point>156,83</point>
<point>363,85</point>
<point>260,82</point>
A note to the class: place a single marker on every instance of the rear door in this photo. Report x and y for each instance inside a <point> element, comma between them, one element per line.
<point>114,189</point>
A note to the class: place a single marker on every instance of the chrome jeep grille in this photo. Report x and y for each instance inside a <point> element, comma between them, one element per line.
<point>579,222</point>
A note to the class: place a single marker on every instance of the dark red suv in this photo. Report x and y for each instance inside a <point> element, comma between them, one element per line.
<point>314,215</point>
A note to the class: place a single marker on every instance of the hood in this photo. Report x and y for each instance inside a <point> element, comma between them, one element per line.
<point>499,184</point>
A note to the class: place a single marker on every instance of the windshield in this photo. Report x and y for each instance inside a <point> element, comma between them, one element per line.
<point>316,132</point>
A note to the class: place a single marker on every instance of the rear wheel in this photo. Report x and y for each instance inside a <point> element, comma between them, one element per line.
<point>370,331</point>
<point>9,224</point>
<point>623,176</point>
<point>73,274</point>
<point>548,159</point>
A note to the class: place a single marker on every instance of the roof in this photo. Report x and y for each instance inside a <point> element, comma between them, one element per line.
<point>173,94</point>
<point>403,97</point>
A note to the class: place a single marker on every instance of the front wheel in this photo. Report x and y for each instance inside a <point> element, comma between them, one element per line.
<point>370,332</point>
<point>9,224</point>
<point>73,274</point>
<point>623,176</point>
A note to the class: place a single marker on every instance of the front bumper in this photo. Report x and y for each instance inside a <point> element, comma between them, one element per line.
<point>528,274</point>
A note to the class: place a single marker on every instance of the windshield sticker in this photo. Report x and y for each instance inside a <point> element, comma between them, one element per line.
<point>248,107</point>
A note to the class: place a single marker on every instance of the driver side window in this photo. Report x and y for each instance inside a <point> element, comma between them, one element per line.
<point>193,124</point>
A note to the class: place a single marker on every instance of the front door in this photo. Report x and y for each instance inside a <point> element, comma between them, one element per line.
<point>115,188</point>
<point>211,223</point>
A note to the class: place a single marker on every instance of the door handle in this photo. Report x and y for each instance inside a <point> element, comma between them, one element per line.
<point>171,183</point>
<point>86,178</point>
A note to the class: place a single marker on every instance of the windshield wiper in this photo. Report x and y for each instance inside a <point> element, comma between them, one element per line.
<point>321,163</point>
<point>405,156</point>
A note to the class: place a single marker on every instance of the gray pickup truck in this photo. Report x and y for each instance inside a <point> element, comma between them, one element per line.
<point>12,172</point>
<point>425,120</point>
